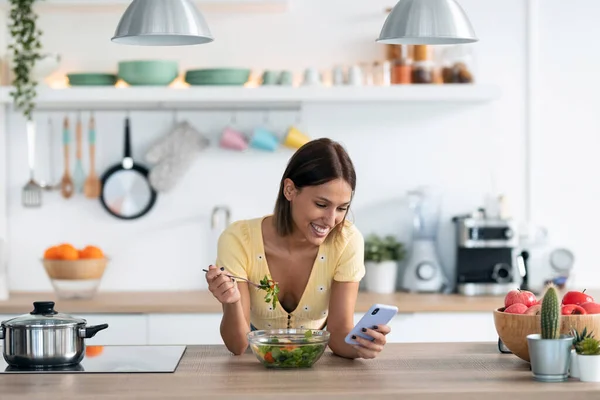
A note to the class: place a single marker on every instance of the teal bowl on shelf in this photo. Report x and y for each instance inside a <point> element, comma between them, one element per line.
<point>148,73</point>
<point>218,76</point>
<point>91,79</point>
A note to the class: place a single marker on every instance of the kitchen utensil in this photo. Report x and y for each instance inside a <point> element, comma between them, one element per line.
<point>92,183</point>
<point>288,348</point>
<point>150,72</point>
<point>92,79</point>
<point>514,328</point>
<point>126,191</point>
<point>75,279</point>
<point>32,192</point>
<point>78,174</point>
<point>233,139</point>
<point>295,138</point>
<point>45,338</point>
<point>218,76</point>
<point>264,139</point>
<point>242,279</point>
<point>66,184</point>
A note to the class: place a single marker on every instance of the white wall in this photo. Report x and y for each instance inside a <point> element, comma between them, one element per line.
<point>565,143</point>
<point>394,147</point>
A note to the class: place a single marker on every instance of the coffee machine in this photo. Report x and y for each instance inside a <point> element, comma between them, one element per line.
<point>487,260</point>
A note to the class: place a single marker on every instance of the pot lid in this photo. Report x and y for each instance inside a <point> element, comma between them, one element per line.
<point>43,316</point>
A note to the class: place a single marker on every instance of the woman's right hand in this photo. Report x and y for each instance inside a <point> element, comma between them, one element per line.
<point>221,286</point>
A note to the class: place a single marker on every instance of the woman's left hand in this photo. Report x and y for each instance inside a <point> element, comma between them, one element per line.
<point>371,348</point>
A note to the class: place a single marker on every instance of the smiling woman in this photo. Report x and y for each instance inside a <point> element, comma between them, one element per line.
<point>308,248</point>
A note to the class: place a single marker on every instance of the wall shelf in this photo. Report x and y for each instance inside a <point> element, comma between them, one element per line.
<point>272,97</point>
<point>121,5</point>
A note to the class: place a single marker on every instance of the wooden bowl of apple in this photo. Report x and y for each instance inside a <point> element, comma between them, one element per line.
<point>520,317</point>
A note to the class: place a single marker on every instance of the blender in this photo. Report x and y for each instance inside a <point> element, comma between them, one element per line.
<point>423,271</point>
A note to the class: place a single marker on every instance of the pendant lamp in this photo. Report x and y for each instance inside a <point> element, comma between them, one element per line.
<point>162,23</point>
<point>427,22</point>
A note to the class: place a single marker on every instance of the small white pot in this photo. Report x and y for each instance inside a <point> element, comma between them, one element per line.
<point>381,277</point>
<point>589,368</point>
<point>574,368</point>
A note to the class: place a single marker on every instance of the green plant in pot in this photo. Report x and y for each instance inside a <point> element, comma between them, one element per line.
<point>577,339</point>
<point>549,351</point>
<point>382,256</point>
<point>588,359</point>
<point>25,49</point>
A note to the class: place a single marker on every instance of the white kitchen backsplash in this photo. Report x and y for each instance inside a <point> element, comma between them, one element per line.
<point>394,146</point>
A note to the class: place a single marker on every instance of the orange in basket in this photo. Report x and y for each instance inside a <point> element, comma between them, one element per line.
<point>91,252</point>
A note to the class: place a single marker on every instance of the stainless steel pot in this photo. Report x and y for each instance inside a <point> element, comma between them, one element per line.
<point>45,338</point>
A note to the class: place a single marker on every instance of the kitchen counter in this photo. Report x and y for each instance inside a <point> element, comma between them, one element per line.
<point>445,371</point>
<point>204,302</point>
<point>198,302</point>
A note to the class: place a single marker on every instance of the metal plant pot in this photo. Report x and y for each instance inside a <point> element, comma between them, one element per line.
<point>550,358</point>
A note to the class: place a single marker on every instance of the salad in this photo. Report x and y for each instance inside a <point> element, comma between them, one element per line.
<point>272,289</point>
<point>287,353</point>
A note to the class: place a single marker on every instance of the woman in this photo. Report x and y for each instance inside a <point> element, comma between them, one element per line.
<point>308,247</point>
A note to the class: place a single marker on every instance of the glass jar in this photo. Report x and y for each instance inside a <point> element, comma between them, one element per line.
<point>423,65</point>
<point>458,64</point>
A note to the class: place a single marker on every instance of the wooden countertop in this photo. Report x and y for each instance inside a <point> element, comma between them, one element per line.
<point>445,371</point>
<point>204,302</point>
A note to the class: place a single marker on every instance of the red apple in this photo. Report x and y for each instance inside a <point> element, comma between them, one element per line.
<point>520,296</point>
<point>576,297</point>
<point>535,309</point>
<point>572,309</point>
<point>517,308</point>
<point>591,307</point>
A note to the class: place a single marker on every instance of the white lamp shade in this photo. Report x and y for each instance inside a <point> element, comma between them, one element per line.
<point>415,22</point>
<point>162,23</point>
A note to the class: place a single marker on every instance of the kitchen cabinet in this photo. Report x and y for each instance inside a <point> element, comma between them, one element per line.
<point>200,329</point>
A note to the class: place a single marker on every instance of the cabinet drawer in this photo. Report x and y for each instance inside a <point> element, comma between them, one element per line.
<point>184,329</point>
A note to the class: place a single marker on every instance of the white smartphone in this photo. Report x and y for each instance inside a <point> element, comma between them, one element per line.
<point>378,314</point>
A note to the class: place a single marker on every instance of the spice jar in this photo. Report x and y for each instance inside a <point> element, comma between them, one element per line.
<point>458,65</point>
<point>422,68</point>
<point>402,66</point>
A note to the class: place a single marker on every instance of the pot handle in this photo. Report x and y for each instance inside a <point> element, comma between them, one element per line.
<point>1,332</point>
<point>90,331</point>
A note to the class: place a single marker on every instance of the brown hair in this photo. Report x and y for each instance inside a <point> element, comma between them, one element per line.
<point>317,162</point>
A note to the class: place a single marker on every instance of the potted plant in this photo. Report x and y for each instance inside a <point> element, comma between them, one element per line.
<point>578,338</point>
<point>549,351</point>
<point>381,262</point>
<point>25,49</point>
<point>588,360</point>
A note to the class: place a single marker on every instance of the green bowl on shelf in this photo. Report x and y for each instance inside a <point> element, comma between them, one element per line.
<point>92,79</point>
<point>218,76</point>
<point>148,73</point>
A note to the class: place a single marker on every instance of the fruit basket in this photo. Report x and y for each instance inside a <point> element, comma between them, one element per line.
<point>74,273</point>
<point>288,348</point>
<point>520,317</point>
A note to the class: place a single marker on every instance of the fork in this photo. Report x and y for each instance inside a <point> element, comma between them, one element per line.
<point>242,279</point>
<point>32,192</point>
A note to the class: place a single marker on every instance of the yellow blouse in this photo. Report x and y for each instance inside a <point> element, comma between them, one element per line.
<point>341,258</point>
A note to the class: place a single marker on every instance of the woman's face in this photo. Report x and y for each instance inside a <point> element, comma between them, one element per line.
<point>316,210</point>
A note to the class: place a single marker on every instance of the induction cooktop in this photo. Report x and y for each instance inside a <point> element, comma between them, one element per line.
<point>114,359</point>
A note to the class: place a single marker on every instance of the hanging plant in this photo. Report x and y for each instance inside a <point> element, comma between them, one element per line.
<point>25,52</point>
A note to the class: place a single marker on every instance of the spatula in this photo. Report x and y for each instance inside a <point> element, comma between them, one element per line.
<point>78,174</point>
<point>32,192</point>
<point>66,184</point>
<point>92,183</point>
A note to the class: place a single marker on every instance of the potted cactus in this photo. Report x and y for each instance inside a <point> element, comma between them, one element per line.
<point>549,351</point>
<point>381,263</point>
<point>588,359</point>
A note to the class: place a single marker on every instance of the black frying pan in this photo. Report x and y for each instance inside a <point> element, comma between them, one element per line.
<point>126,190</point>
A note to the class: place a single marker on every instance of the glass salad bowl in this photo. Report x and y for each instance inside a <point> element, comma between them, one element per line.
<point>288,348</point>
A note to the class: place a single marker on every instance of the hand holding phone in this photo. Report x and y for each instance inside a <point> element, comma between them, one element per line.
<point>378,314</point>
